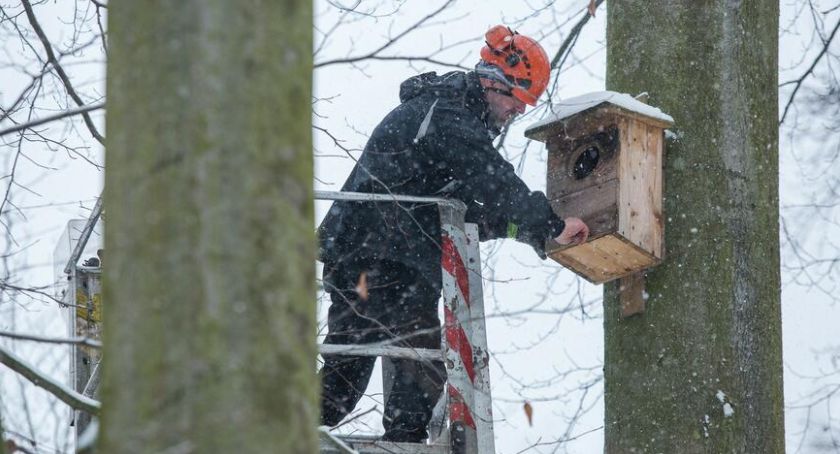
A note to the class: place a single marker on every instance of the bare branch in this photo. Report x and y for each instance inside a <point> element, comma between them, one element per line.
<point>60,71</point>
<point>51,118</point>
<point>63,393</point>
<point>87,342</point>
<point>36,80</point>
<point>427,59</point>
<point>4,285</point>
<point>570,40</point>
<point>798,82</point>
<point>387,44</point>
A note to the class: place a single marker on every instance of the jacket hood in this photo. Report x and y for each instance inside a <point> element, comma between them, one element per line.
<point>452,85</point>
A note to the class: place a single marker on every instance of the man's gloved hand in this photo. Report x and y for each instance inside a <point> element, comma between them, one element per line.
<point>575,232</point>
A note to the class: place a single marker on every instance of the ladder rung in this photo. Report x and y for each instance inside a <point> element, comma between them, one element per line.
<point>420,354</point>
<point>372,445</point>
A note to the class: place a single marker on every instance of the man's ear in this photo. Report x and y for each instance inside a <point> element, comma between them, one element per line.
<point>490,83</point>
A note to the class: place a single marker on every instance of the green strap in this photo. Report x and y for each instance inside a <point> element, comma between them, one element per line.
<point>512,230</point>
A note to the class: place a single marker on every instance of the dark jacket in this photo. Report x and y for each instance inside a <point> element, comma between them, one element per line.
<point>436,143</point>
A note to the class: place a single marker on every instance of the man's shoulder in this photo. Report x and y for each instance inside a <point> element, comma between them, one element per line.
<point>456,120</point>
<point>449,93</point>
<point>435,106</point>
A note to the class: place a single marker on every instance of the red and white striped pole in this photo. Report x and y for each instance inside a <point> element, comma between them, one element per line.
<point>458,349</point>
<point>483,406</point>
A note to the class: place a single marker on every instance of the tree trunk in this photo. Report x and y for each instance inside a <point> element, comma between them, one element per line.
<point>701,370</point>
<point>209,267</point>
<point>2,436</point>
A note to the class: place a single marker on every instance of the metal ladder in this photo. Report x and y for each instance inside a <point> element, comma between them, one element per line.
<point>465,424</point>
<point>79,286</point>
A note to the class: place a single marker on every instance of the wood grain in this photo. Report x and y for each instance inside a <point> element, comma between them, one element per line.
<point>640,186</point>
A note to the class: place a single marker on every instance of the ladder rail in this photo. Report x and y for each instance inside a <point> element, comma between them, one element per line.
<point>460,360</point>
<point>464,339</point>
<point>483,408</point>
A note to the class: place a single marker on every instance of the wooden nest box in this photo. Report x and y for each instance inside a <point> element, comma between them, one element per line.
<point>605,167</point>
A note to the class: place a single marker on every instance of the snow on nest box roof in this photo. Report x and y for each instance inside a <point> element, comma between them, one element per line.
<point>569,107</point>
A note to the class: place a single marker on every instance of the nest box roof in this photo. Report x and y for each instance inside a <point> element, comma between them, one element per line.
<point>572,106</point>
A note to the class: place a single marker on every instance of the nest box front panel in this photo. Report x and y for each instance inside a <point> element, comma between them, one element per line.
<point>583,178</point>
<point>607,170</point>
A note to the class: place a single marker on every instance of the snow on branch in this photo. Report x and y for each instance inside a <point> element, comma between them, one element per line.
<point>63,393</point>
<point>85,341</point>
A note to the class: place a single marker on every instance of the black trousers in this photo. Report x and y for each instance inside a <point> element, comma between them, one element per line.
<point>400,306</point>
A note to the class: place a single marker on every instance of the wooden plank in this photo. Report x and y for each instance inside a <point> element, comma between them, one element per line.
<point>640,186</point>
<point>563,155</point>
<point>656,141</point>
<point>605,259</point>
<point>574,126</point>
<point>589,117</point>
<point>582,265</point>
<point>625,257</point>
<point>631,294</point>
<point>596,206</point>
<point>655,122</point>
<point>656,137</point>
<point>627,174</point>
<point>649,258</point>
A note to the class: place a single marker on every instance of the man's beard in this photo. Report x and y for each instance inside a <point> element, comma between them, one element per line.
<point>503,122</point>
<point>495,124</point>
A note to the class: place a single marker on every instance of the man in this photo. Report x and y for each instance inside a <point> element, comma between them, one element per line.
<point>382,260</point>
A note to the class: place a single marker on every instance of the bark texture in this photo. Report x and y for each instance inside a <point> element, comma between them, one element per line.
<point>2,437</point>
<point>209,272</point>
<point>701,370</point>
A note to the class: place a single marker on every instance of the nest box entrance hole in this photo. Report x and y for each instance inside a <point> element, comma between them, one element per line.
<point>587,161</point>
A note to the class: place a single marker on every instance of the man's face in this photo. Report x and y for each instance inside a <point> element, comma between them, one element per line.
<point>502,105</point>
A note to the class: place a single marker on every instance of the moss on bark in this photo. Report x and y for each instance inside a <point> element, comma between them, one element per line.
<point>209,281</point>
<point>711,337</point>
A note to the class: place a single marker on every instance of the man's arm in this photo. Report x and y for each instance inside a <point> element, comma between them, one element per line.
<point>498,200</point>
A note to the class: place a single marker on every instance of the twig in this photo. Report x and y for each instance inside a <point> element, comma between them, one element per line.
<point>810,71</point>
<point>394,58</point>
<point>355,417</point>
<point>573,35</point>
<point>387,44</point>
<point>59,70</point>
<point>50,118</point>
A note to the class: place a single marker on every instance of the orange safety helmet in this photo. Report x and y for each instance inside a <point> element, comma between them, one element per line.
<point>523,63</point>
